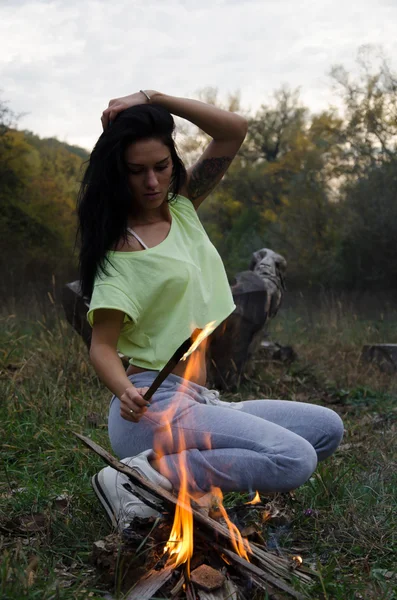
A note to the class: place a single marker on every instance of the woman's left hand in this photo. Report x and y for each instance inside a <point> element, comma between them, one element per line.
<point>119,104</point>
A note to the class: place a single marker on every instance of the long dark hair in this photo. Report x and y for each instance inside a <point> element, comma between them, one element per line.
<point>104,200</point>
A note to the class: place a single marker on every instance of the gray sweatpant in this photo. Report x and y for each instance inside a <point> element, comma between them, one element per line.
<point>265,445</point>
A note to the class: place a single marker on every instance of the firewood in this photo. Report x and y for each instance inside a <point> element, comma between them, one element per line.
<point>227,592</point>
<point>259,575</point>
<point>150,583</point>
<point>139,481</point>
<point>178,586</point>
<point>276,566</point>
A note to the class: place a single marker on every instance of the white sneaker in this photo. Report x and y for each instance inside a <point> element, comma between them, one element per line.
<point>115,490</point>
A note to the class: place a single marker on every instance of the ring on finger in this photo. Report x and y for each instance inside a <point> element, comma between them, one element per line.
<point>132,412</point>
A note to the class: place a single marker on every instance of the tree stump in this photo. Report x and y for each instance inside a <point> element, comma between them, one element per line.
<point>258,295</point>
<point>233,344</point>
<point>383,355</point>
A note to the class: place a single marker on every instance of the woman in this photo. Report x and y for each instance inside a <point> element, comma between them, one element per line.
<point>153,277</point>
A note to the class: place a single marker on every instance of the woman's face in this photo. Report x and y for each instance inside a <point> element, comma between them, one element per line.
<point>149,167</point>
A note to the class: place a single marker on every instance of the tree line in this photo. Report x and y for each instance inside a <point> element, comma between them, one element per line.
<point>321,189</point>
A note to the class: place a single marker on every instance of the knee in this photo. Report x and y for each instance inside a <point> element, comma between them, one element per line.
<point>295,467</point>
<point>303,466</point>
<point>333,433</point>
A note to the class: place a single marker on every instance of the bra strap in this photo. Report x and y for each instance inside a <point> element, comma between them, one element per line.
<point>136,236</point>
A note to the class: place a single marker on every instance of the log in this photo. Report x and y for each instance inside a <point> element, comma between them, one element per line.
<point>383,355</point>
<point>75,307</point>
<point>257,294</point>
<point>278,567</point>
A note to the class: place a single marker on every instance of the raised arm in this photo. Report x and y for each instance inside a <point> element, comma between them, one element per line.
<point>227,130</point>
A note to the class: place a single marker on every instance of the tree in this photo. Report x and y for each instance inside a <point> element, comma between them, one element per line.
<point>192,140</point>
<point>12,152</point>
<point>367,254</point>
<point>370,111</point>
<point>277,193</point>
<point>38,186</point>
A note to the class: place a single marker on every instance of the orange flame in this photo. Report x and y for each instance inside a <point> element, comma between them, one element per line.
<point>204,333</point>
<point>240,544</point>
<point>298,560</point>
<point>256,499</point>
<point>266,515</point>
<point>227,561</point>
<point>180,542</point>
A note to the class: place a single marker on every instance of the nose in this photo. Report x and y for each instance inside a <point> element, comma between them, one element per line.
<point>151,179</point>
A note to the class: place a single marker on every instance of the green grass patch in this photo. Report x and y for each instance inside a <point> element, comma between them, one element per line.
<point>342,521</point>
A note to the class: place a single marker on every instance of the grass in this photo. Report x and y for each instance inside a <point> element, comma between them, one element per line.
<point>342,521</point>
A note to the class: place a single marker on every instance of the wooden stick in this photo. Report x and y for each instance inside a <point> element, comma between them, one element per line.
<point>147,485</point>
<point>186,348</point>
<point>256,571</point>
<point>168,368</point>
<point>150,583</point>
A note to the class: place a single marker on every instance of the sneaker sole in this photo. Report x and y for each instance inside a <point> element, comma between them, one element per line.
<point>103,500</point>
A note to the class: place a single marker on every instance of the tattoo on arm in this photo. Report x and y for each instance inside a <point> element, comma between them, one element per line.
<point>205,175</point>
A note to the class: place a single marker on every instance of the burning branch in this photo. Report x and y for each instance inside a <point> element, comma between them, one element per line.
<point>182,353</point>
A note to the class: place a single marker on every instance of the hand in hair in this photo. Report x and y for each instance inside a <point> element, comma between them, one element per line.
<point>119,104</point>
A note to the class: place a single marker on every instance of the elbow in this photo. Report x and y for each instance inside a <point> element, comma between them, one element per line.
<point>242,127</point>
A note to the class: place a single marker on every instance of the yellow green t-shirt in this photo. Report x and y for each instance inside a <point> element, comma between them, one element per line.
<point>166,292</point>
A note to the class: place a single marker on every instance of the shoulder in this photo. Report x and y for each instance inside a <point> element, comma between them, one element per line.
<point>115,269</point>
<point>184,210</point>
<point>182,204</point>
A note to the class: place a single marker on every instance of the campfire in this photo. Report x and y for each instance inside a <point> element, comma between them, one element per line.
<point>202,532</point>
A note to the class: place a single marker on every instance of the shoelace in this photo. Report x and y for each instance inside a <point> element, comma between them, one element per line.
<point>212,397</point>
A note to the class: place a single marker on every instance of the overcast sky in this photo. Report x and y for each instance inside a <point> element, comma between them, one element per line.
<point>62,61</point>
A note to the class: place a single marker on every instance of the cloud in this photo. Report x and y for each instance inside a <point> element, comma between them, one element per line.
<point>62,62</point>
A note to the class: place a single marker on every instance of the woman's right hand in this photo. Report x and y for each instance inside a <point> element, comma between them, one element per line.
<point>117,105</point>
<point>132,404</point>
